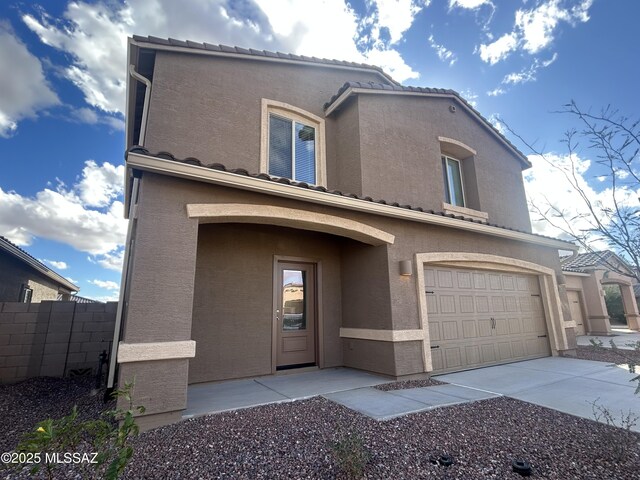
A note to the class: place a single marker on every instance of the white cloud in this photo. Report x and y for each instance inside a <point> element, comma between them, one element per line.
<point>443,53</point>
<point>391,61</point>
<point>469,4</point>
<point>111,261</point>
<point>106,284</point>
<point>91,117</point>
<point>470,96</point>
<point>496,91</point>
<point>100,185</point>
<point>397,15</point>
<point>549,190</point>
<point>494,119</point>
<point>535,29</point>
<point>57,265</point>
<point>72,280</point>
<point>24,90</point>
<point>498,50</point>
<point>69,215</point>
<point>528,74</point>
<point>93,35</point>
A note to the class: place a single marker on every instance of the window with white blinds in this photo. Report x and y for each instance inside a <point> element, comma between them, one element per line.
<point>292,149</point>
<point>292,144</point>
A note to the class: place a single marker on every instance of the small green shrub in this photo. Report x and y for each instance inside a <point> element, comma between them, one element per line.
<point>109,437</point>
<point>350,453</point>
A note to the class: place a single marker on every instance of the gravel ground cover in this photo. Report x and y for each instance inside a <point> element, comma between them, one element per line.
<point>293,440</point>
<point>404,384</point>
<point>606,355</point>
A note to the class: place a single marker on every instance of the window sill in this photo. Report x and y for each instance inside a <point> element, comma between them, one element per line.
<point>465,212</point>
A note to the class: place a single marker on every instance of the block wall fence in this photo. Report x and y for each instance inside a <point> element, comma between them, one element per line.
<point>53,339</point>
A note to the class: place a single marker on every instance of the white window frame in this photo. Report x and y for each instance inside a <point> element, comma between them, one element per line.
<point>299,115</point>
<point>445,159</point>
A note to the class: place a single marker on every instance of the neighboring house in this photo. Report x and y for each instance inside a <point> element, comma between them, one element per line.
<point>25,279</point>
<point>401,211</point>
<point>586,274</point>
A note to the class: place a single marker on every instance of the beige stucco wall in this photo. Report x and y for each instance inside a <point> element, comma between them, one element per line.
<point>400,154</point>
<point>383,146</point>
<point>210,108</point>
<point>233,297</point>
<point>362,287</point>
<point>14,273</point>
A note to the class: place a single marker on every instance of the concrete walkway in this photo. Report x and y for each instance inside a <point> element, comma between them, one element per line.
<point>621,336</point>
<point>218,397</point>
<point>565,384</point>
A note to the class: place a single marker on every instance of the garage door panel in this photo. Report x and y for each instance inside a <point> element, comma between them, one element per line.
<point>450,330</point>
<point>515,326</point>
<point>452,357</point>
<point>497,304</point>
<point>494,282</point>
<point>482,304</point>
<point>488,352</point>
<point>429,277</point>
<point>469,329</point>
<point>504,351</point>
<point>508,282</point>
<point>434,331</point>
<point>478,318</point>
<point>436,359</point>
<point>501,326</point>
<point>466,304</point>
<point>485,327</point>
<point>472,353</point>
<point>447,304</point>
<point>445,279</point>
<point>479,281</point>
<point>464,280</point>
<point>432,304</point>
<point>511,304</point>
<point>517,348</point>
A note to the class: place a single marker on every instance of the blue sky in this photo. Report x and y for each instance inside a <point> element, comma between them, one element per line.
<point>63,84</point>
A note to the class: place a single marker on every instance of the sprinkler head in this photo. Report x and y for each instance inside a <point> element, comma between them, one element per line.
<point>522,467</point>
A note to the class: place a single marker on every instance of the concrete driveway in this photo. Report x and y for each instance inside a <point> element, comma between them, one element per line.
<point>565,384</point>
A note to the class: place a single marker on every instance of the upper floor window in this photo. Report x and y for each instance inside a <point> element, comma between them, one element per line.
<point>292,143</point>
<point>292,149</point>
<point>454,189</point>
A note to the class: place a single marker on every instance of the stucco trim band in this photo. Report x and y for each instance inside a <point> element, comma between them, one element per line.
<point>144,352</point>
<point>288,217</point>
<point>204,174</point>
<point>382,335</point>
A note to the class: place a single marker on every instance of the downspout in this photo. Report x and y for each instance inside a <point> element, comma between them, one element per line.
<point>127,251</point>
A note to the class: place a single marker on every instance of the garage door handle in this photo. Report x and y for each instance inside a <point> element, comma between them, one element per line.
<point>542,336</point>
<point>435,346</point>
<point>493,323</point>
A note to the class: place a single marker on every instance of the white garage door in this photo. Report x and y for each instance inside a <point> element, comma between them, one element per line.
<point>479,318</point>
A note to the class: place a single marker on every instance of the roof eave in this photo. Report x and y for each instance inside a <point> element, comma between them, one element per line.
<point>20,255</point>
<point>198,51</point>
<point>148,163</point>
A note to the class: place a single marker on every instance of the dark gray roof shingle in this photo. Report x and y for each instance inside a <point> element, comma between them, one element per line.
<point>580,263</point>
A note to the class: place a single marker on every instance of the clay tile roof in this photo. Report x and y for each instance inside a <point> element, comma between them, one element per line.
<point>241,171</point>
<point>258,53</point>
<point>580,263</point>
<point>427,90</point>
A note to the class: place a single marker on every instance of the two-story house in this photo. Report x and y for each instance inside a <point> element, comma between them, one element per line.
<point>398,215</point>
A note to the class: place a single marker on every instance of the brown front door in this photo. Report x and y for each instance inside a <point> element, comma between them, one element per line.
<point>295,315</point>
